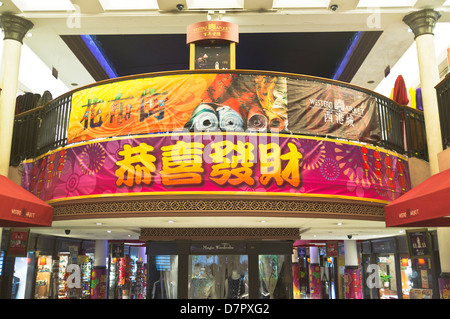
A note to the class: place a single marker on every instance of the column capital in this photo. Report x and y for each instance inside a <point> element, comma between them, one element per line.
<point>14,27</point>
<point>422,22</point>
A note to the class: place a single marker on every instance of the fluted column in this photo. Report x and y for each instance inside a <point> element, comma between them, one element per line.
<point>14,29</point>
<point>422,24</point>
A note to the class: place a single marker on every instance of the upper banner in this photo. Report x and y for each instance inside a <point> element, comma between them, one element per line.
<point>222,102</point>
<point>218,163</point>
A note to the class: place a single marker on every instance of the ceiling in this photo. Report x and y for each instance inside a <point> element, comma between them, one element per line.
<point>313,40</point>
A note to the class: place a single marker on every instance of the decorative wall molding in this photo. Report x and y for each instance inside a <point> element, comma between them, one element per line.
<point>219,233</point>
<point>219,207</point>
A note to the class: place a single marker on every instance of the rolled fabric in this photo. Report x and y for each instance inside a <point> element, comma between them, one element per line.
<point>257,120</point>
<point>276,122</point>
<point>229,119</point>
<point>203,118</point>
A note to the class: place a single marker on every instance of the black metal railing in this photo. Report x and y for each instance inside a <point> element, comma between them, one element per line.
<point>26,132</point>
<point>443,96</point>
<point>44,129</point>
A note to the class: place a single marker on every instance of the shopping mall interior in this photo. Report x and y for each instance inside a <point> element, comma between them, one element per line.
<point>361,47</point>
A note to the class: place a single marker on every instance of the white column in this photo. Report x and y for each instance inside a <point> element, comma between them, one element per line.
<point>350,253</point>
<point>422,23</point>
<point>101,253</point>
<point>14,29</point>
<point>429,78</point>
<point>313,255</point>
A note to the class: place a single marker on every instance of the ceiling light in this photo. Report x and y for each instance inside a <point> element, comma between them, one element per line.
<point>301,4</point>
<point>385,3</point>
<point>339,224</point>
<point>108,231</point>
<point>129,4</point>
<point>171,222</point>
<point>29,34</point>
<point>44,5</point>
<point>98,224</point>
<point>263,221</point>
<point>216,4</point>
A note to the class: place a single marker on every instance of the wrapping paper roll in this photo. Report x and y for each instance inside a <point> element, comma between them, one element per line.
<point>276,122</point>
<point>203,118</point>
<point>257,120</point>
<point>229,119</point>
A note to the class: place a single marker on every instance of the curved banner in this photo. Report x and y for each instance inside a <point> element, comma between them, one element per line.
<point>226,102</point>
<point>218,163</point>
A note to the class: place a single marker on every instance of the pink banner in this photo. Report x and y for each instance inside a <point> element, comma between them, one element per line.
<point>218,163</point>
<point>315,284</point>
<point>352,282</point>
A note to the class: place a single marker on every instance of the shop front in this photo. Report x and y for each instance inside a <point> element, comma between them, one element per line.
<point>219,269</point>
<point>400,274</point>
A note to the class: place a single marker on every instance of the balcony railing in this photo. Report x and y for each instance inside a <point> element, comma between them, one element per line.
<point>402,129</point>
<point>443,96</point>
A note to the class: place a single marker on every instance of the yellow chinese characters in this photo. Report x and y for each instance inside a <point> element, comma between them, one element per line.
<point>137,165</point>
<point>182,163</point>
<point>271,168</point>
<point>232,163</point>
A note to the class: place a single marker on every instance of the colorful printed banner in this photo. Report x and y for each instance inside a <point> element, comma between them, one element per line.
<point>218,163</point>
<point>222,102</point>
<point>352,283</point>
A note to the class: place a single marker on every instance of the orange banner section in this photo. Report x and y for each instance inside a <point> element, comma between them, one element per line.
<point>159,104</point>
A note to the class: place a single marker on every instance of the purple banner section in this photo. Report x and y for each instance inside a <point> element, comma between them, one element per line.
<point>444,287</point>
<point>218,163</point>
<point>315,284</point>
<point>352,282</point>
<point>98,282</point>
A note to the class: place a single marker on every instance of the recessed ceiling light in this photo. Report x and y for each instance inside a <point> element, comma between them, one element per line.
<point>98,224</point>
<point>263,221</point>
<point>339,224</point>
<point>29,34</point>
<point>108,231</point>
<point>129,5</point>
<point>44,5</point>
<point>171,222</point>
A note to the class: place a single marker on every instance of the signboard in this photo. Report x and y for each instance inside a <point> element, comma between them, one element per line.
<point>218,248</point>
<point>222,102</point>
<point>332,249</point>
<point>18,242</point>
<point>419,243</point>
<point>218,163</point>
<point>212,30</point>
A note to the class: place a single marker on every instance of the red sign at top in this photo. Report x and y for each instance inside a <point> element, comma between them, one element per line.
<point>212,30</point>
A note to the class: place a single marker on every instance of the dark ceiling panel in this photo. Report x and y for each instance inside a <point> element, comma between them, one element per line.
<point>317,54</point>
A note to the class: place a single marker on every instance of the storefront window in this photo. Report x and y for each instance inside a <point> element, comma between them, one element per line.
<point>274,277</point>
<point>388,289</point>
<point>406,276</point>
<point>218,277</point>
<point>23,276</point>
<point>163,277</point>
<point>43,278</point>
